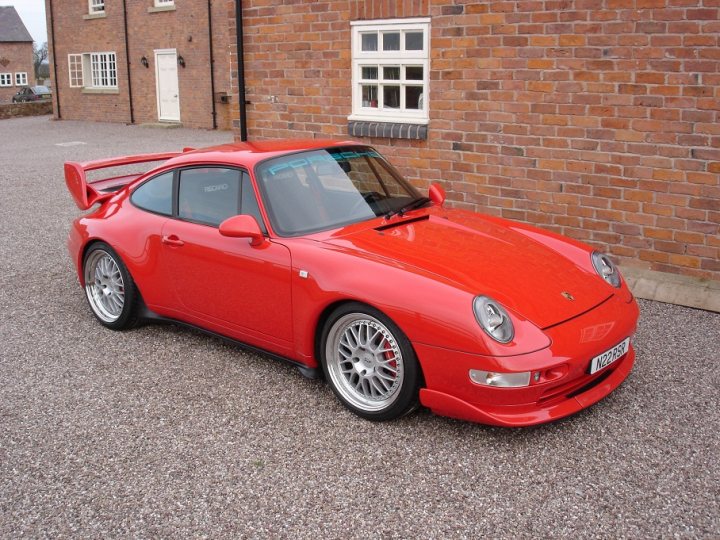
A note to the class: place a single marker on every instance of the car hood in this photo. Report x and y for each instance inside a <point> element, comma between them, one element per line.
<point>485,257</point>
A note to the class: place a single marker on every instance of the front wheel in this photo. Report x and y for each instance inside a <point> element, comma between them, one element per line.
<point>109,288</point>
<point>369,363</point>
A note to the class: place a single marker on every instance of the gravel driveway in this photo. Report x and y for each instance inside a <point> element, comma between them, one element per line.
<point>165,432</point>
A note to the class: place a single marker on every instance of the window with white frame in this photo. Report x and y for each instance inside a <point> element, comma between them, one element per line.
<point>75,67</point>
<point>163,3</point>
<point>390,63</point>
<point>100,69</point>
<point>5,79</point>
<point>21,78</point>
<point>96,7</point>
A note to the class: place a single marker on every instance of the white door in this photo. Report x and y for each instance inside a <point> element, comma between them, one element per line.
<point>166,76</point>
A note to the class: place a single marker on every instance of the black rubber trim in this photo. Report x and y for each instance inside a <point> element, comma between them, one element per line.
<point>148,315</point>
<point>402,222</point>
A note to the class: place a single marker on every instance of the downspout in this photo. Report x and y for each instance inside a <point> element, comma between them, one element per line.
<point>57,84</point>
<point>212,66</point>
<point>241,69</point>
<point>127,61</point>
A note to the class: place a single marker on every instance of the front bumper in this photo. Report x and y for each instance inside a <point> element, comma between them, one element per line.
<point>564,387</point>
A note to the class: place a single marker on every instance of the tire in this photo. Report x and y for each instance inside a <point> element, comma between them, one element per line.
<point>109,288</point>
<point>369,363</point>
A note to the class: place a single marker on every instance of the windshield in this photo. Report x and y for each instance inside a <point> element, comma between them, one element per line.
<point>41,89</point>
<point>323,189</point>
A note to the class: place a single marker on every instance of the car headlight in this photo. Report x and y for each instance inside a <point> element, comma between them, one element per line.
<point>606,269</point>
<point>493,319</point>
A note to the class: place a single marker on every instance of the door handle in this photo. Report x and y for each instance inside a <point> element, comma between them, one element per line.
<point>172,240</point>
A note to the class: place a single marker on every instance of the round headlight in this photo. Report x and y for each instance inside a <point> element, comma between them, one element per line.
<point>606,269</point>
<point>493,319</point>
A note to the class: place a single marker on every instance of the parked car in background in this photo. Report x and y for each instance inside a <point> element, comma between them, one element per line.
<point>32,93</point>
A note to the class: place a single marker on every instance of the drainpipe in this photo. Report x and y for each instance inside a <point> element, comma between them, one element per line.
<point>212,66</point>
<point>54,53</point>
<point>241,70</point>
<point>127,60</point>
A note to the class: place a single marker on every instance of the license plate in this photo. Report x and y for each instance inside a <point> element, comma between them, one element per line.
<point>608,357</point>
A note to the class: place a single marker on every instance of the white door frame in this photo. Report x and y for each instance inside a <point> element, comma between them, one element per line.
<point>157,83</point>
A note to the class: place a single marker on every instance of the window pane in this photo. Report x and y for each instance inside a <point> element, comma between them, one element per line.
<point>249,204</point>
<point>391,41</point>
<point>413,97</point>
<point>369,72</point>
<point>391,73</point>
<point>414,41</point>
<point>209,195</point>
<point>391,97</point>
<point>414,73</point>
<point>155,195</point>
<point>349,184</point>
<point>369,95</point>
<point>369,42</point>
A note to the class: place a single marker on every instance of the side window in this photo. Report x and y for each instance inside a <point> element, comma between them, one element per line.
<point>209,195</point>
<point>248,203</point>
<point>155,195</point>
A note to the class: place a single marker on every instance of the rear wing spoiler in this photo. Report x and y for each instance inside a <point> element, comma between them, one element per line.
<point>86,193</point>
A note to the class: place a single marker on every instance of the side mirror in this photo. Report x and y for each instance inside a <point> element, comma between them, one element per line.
<point>243,226</point>
<point>436,194</point>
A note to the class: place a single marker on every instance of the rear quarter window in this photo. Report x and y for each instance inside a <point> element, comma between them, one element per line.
<point>155,195</point>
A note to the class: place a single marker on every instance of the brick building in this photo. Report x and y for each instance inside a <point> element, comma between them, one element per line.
<point>598,119</point>
<point>16,54</point>
<point>140,61</point>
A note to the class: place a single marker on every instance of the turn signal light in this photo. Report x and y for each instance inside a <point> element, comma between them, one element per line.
<point>499,379</point>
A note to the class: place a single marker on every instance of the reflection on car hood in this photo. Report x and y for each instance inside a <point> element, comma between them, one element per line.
<point>484,257</point>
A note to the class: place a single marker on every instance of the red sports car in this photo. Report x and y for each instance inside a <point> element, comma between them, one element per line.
<point>321,254</point>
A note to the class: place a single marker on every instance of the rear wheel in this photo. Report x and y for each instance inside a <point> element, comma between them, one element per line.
<point>369,363</point>
<point>109,288</point>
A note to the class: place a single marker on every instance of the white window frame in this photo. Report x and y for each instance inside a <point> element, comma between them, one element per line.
<point>75,70</point>
<point>21,78</point>
<point>380,58</point>
<point>164,3</point>
<point>100,70</point>
<point>6,79</point>
<point>96,7</point>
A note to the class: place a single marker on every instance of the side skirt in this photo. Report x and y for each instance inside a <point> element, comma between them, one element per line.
<point>148,315</point>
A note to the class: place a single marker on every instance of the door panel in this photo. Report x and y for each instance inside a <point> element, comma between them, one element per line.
<point>166,73</point>
<point>226,280</point>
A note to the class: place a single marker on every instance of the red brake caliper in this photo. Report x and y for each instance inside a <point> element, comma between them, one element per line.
<point>388,355</point>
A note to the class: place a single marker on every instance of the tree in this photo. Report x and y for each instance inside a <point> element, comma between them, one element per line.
<point>40,54</point>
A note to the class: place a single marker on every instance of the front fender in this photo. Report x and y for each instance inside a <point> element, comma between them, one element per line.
<point>429,309</point>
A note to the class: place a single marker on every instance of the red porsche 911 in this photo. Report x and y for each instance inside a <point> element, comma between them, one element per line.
<point>321,254</point>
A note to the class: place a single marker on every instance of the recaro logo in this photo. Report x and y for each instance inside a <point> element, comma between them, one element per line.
<point>218,187</point>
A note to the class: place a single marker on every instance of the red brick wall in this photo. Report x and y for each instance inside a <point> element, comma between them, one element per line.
<point>31,108</point>
<point>184,29</point>
<point>598,119</point>
<point>19,57</point>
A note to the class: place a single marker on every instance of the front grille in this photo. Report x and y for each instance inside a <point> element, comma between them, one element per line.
<point>592,384</point>
<point>581,384</point>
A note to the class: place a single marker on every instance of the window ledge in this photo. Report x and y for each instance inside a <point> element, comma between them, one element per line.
<point>90,16</point>
<point>390,130</point>
<point>100,91</point>
<point>160,9</point>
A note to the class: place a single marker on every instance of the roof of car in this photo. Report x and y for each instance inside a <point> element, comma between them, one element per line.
<point>250,153</point>
<point>12,28</point>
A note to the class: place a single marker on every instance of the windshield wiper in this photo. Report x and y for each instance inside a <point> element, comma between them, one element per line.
<point>415,203</point>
